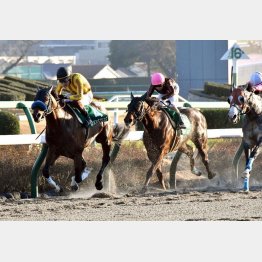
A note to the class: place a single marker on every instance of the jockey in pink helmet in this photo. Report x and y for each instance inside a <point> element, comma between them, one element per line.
<point>255,82</point>
<point>167,90</point>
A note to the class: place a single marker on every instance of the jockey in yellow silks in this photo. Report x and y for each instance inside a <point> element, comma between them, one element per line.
<point>78,88</point>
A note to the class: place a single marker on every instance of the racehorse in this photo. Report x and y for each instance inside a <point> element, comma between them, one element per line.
<point>249,104</point>
<point>160,137</point>
<point>65,136</point>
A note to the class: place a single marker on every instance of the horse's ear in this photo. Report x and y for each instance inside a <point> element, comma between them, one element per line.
<point>50,89</point>
<point>132,96</point>
<point>143,97</point>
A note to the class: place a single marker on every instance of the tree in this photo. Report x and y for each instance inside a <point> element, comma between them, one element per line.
<point>157,54</point>
<point>16,50</point>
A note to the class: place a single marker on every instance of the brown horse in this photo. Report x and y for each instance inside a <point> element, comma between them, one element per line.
<point>160,137</point>
<point>249,104</point>
<point>66,136</point>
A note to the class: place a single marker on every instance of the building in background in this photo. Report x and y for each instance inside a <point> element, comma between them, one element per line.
<point>198,61</point>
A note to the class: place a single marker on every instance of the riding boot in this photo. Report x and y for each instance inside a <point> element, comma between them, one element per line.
<point>181,124</point>
<point>87,122</point>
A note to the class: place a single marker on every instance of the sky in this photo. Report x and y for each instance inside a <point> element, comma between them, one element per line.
<point>136,19</point>
<point>123,20</point>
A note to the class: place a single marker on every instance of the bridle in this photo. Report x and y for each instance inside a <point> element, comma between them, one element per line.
<point>139,115</point>
<point>241,110</point>
<point>46,108</point>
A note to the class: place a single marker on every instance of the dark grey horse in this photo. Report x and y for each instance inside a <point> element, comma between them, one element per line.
<point>249,104</point>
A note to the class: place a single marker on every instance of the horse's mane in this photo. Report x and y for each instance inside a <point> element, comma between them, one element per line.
<point>154,103</point>
<point>253,100</point>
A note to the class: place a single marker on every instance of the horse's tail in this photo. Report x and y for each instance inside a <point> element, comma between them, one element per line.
<point>120,131</point>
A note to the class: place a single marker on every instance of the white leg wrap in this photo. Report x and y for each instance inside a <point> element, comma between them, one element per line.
<point>85,173</point>
<point>53,184</point>
<point>73,181</point>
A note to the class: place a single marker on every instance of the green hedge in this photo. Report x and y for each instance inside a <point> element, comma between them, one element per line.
<point>9,124</point>
<point>26,87</point>
<point>217,89</point>
<point>11,96</point>
<point>216,119</point>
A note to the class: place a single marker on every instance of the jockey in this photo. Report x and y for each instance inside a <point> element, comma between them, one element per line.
<point>255,83</point>
<point>168,90</point>
<point>79,90</point>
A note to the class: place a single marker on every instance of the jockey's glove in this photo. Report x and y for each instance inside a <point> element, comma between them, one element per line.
<point>66,100</point>
<point>61,97</point>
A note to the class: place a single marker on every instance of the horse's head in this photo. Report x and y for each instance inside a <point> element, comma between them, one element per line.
<point>42,104</point>
<point>238,105</point>
<point>135,110</point>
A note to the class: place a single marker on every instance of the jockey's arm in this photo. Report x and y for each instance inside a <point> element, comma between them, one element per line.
<point>150,91</point>
<point>170,91</point>
<point>58,89</point>
<point>79,90</point>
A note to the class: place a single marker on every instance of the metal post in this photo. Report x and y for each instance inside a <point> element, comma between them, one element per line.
<point>35,171</point>
<point>28,115</point>
<point>235,82</point>
<point>172,180</point>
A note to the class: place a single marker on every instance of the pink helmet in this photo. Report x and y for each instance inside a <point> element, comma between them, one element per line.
<point>157,79</point>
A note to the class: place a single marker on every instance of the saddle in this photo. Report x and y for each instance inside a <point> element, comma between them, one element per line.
<point>174,119</point>
<point>95,114</point>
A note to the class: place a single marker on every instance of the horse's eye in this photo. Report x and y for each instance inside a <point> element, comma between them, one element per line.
<point>229,99</point>
<point>241,99</point>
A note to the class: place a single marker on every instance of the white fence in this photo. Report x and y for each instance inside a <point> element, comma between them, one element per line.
<point>132,136</point>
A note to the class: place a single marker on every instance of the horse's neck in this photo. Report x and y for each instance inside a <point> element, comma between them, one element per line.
<point>255,102</point>
<point>152,118</point>
<point>57,115</point>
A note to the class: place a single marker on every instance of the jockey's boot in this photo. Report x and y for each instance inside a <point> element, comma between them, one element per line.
<point>88,122</point>
<point>181,124</point>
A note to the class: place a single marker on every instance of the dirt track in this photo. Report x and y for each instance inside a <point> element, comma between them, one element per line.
<point>196,198</point>
<point>169,206</point>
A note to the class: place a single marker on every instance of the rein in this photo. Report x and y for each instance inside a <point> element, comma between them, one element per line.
<point>140,115</point>
<point>241,110</point>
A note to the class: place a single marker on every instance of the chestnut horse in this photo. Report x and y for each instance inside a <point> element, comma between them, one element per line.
<point>249,104</point>
<point>160,137</point>
<point>66,136</point>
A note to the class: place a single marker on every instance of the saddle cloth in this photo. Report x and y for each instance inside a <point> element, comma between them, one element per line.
<point>95,114</point>
<point>173,116</point>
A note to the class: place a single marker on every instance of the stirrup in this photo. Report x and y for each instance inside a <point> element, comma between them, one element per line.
<point>181,126</point>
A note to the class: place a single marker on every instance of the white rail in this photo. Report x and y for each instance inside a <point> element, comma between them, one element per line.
<point>123,105</point>
<point>132,136</point>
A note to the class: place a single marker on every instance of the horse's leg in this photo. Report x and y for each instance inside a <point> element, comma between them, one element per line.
<point>50,160</point>
<point>201,144</point>
<point>105,160</point>
<point>160,177</point>
<point>253,155</point>
<point>155,167</point>
<point>188,150</point>
<point>80,172</point>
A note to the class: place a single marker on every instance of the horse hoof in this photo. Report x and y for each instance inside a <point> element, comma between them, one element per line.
<point>196,172</point>
<point>144,190</point>
<point>211,175</point>
<point>74,187</point>
<point>99,186</point>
